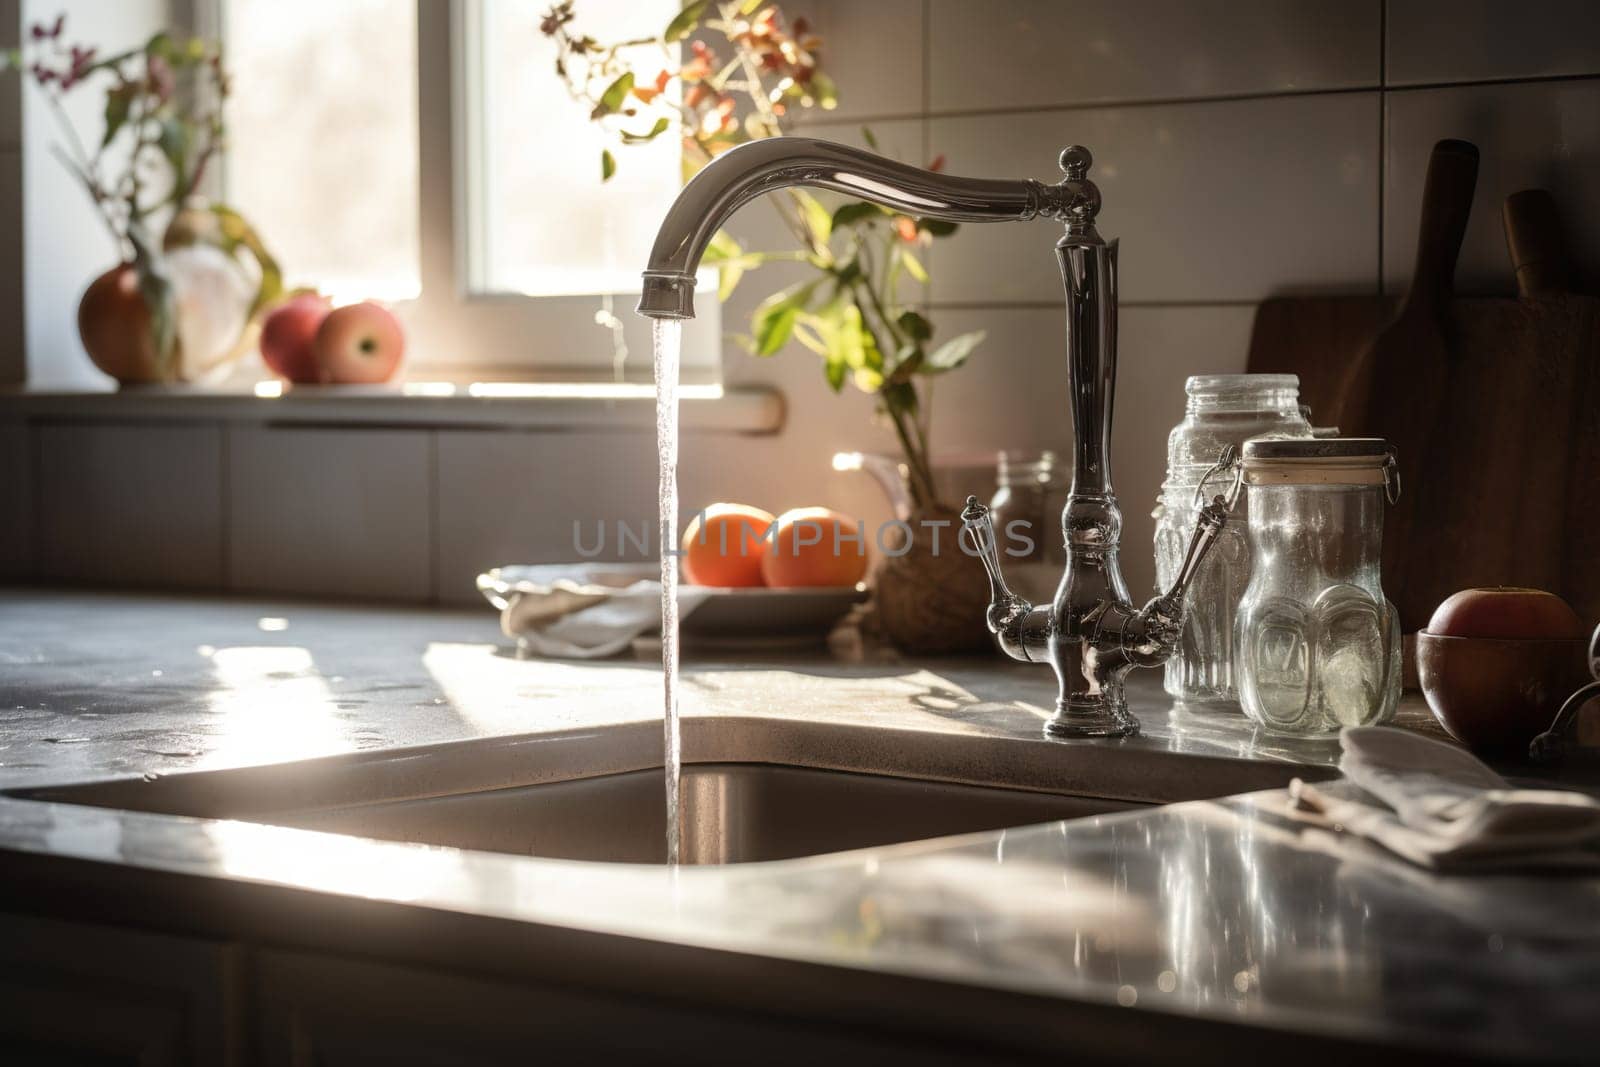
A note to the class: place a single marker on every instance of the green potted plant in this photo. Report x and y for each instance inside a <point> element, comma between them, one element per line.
<point>742,72</point>
<point>181,301</point>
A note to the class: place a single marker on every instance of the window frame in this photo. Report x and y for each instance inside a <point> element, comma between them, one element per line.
<point>462,335</point>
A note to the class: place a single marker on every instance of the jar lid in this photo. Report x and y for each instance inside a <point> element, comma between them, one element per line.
<point>1319,461</point>
<point>1207,384</point>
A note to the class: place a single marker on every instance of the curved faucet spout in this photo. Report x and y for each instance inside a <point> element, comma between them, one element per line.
<point>1091,633</point>
<point>738,176</point>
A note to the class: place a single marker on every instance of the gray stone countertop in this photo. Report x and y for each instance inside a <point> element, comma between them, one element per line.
<point>1223,911</point>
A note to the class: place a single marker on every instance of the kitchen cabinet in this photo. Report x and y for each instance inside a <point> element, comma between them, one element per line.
<point>75,993</point>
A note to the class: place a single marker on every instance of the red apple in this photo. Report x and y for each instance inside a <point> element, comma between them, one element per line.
<point>360,344</point>
<point>1504,612</point>
<point>288,338</point>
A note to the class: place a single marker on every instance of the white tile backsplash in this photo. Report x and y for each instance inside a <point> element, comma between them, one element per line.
<point>1533,135</point>
<point>346,512</point>
<point>874,51</point>
<point>129,504</point>
<point>1433,41</point>
<point>1213,202</point>
<point>513,498</point>
<point>1041,53</point>
<point>1217,203</point>
<point>1013,395</point>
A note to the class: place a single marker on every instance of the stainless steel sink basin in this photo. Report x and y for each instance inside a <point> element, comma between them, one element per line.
<point>599,795</point>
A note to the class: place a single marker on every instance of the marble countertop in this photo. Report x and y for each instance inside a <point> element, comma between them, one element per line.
<point>1210,911</point>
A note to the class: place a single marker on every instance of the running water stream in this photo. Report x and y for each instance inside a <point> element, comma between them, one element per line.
<point>667,337</point>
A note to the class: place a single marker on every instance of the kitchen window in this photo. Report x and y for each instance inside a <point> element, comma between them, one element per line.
<point>425,153</point>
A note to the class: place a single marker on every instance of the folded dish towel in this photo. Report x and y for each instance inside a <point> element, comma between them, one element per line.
<point>1438,806</point>
<point>580,611</point>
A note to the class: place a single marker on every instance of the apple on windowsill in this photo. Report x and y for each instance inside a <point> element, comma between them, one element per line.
<point>307,342</point>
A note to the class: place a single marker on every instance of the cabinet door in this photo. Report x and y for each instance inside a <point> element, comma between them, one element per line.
<point>329,1012</point>
<point>72,993</point>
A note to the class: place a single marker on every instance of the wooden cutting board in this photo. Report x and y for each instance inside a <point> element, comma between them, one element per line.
<point>1317,338</point>
<point>1512,496</point>
<point>1507,495</point>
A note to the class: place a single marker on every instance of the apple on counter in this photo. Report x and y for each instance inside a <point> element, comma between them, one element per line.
<point>1505,612</point>
<point>1495,664</point>
<point>308,341</point>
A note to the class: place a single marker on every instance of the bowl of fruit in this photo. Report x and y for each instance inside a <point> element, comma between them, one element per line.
<point>1495,665</point>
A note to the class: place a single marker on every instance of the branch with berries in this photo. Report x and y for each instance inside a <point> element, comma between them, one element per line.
<point>711,64</point>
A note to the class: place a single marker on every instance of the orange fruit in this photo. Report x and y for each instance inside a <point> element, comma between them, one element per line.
<point>816,547</point>
<point>726,549</point>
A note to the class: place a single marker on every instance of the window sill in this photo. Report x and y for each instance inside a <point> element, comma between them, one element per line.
<point>500,405</point>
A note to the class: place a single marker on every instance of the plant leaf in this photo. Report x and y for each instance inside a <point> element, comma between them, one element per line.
<point>856,212</point>
<point>684,22</point>
<point>836,372</point>
<point>774,318</point>
<point>851,347</point>
<point>826,92</point>
<point>773,328</point>
<point>818,220</point>
<point>117,104</point>
<point>615,94</point>
<point>160,45</point>
<point>160,297</point>
<point>913,265</point>
<point>721,247</point>
<point>608,164</point>
<point>174,143</point>
<point>938,227</point>
<point>953,353</point>
<point>868,136</point>
<point>641,138</point>
<point>237,233</point>
<point>914,326</point>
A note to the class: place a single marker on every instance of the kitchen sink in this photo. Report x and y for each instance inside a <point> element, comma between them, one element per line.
<point>599,795</point>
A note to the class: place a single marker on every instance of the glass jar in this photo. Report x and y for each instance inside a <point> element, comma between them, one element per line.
<point>1026,508</point>
<point>1317,645</point>
<point>1222,409</point>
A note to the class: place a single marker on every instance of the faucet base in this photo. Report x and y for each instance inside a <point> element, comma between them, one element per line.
<point>1106,717</point>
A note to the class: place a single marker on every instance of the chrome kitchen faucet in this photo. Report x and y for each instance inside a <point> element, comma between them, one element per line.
<point>1091,633</point>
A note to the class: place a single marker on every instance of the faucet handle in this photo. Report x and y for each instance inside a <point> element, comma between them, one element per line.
<point>1076,198</point>
<point>1009,615</point>
<point>1075,162</point>
<point>975,523</point>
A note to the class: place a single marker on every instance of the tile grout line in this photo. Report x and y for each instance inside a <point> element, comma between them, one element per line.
<point>1055,305</point>
<point>925,124</point>
<point>1223,98</point>
<point>1383,127</point>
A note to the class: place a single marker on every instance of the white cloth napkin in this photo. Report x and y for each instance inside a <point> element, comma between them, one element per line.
<point>580,611</point>
<point>1438,806</point>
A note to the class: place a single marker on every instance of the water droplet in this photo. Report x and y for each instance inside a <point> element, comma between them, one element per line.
<point>1166,981</point>
<point>1127,996</point>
